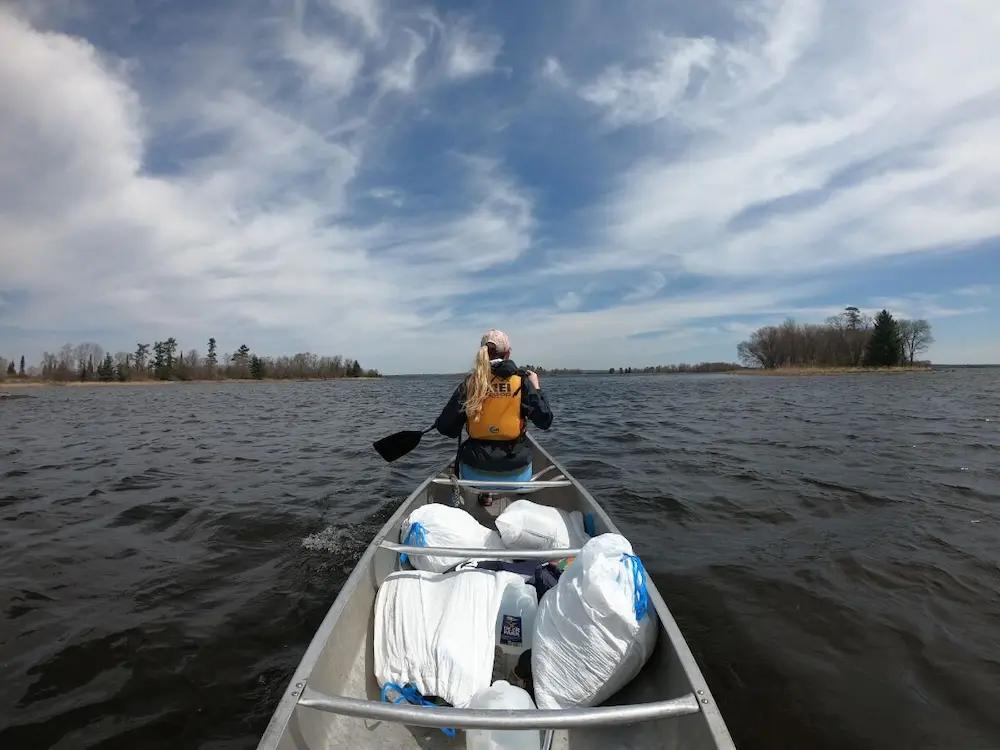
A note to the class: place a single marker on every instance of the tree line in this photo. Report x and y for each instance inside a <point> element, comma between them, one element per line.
<point>164,360</point>
<point>850,339</point>
<point>683,367</point>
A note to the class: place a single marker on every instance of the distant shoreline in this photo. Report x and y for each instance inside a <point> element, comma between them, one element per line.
<point>114,383</point>
<point>801,371</point>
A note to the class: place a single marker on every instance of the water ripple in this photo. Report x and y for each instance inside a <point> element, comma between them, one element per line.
<point>828,545</point>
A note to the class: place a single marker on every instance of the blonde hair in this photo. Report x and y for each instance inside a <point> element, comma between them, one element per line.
<point>478,384</point>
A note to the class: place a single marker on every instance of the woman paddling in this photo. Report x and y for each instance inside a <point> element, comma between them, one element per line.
<point>494,403</point>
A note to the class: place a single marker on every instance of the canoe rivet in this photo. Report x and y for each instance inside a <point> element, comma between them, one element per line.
<point>705,701</point>
<point>300,684</point>
<point>295,692</point>
<point>701,692</point>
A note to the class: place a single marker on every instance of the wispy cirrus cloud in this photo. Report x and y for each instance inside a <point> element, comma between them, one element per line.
<point>798,161</point>
<point>469,53</point>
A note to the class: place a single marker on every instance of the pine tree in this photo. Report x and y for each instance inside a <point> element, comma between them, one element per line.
<point>106,370</point>
<point>141,350</point>
<point>256,367</point>
<point>356,369</point>
<point>10,368</point>
<point>212,358</point>
<point>885,347</point>
<point>241,359</point>
<point>169,348</point>
<point>159,360</point>
<point>21,373</point>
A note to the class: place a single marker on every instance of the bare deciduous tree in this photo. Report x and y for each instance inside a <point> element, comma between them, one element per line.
<point>916,337</point>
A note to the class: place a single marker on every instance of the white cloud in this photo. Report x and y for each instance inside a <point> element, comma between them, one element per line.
<point>366,13</point>
<point>248,240</point>
<point>552,70</point>
<point>932,306</point>
<point>651,283</point>
<point>779,122</point>
<point>469,54</point>
<point>328,64</point>
<point>401,73</point>
<point>975,290</point>
<point>646,94</point>
<point>569,301</point>
<point>494,228</point>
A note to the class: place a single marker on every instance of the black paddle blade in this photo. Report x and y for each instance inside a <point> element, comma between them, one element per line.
<point>398,444</point>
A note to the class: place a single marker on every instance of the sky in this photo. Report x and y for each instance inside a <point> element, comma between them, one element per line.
<point>613,184</point>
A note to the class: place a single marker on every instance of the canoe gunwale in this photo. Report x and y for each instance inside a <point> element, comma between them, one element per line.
<point>472,718</point>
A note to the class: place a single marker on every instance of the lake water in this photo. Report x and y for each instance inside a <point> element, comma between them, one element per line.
<point>829,546</point>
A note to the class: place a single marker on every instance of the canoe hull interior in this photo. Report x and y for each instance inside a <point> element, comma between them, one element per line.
<point>340,659</point>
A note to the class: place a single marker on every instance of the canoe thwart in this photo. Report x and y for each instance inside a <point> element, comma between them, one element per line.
<point>477,718</point>
<point>513,486</point>
<point>480,553</point>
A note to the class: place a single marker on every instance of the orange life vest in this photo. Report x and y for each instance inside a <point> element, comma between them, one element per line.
<point>500,417</point>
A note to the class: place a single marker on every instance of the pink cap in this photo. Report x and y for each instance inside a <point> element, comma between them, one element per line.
<point>498,340</point>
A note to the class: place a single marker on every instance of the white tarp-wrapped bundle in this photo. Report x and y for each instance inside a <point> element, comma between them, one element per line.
<point>595,630</point>
<point>437,630</point>
<point>528,525</point>
<point>437,525</point>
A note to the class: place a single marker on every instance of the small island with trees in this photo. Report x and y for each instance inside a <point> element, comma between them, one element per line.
<point>848,342</point>
<point>164,361</point>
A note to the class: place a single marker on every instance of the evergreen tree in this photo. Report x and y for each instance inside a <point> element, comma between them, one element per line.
<point>852,318</point>
<point>256,367</point>
<point>356,370</point>
<point>90,367</point>
<point>169,347</point>
<point>21,373</point>
<point>106,370</point>
<point>141,351</point>
<point>241,359</point>
<point>10,368</point>
<point>212,358</point>
<point>159,360</point>
<point>885,347</point>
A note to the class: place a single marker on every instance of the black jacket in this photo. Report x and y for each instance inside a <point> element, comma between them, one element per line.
<point>496,455</point>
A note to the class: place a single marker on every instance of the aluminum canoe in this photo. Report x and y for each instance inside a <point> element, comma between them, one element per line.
<point>332,700</point>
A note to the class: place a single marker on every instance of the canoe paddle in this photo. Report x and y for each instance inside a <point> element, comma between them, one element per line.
<point>399,444</point>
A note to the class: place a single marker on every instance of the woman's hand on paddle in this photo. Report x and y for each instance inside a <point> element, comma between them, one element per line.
<point>533,379</point>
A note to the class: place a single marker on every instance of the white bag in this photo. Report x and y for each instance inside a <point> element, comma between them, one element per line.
<point>437,630</point>
<point>595,629</point>
<point>437,525</point>
<point>528,525</point>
